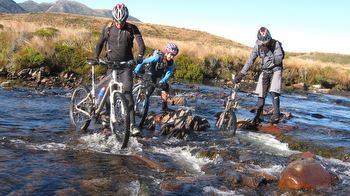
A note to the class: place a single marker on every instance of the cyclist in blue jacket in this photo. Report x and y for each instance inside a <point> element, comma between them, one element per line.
<point>161,65</point>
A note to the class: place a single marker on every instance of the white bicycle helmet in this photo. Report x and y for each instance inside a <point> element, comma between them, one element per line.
<point>120,13</point>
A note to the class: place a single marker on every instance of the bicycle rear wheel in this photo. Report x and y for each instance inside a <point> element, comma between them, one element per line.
<point>81,107</point>
<point>144,111</point>
<point>120,123</point>
<point>139,95</point>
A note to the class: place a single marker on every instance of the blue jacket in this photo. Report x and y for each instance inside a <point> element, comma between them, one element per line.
<point>158,67</point>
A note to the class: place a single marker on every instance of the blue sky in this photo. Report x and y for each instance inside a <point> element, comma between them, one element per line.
<point>301,25</point>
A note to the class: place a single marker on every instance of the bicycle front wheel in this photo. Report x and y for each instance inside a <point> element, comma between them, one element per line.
<point>228,122</point>
<point>120,118</point>
<point>81,107</point>
<point>232,124</point>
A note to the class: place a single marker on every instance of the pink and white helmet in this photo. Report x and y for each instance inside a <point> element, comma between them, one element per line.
<point>172,49</point>
<point>120,13</point>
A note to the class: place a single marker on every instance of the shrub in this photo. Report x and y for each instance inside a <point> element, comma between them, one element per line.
<point>46,32</point>
<point>4,48</point>
<point>28,58</point>
<point>71,57</point>
<point>188,69</point>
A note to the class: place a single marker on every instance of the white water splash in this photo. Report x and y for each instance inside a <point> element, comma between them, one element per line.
<point>267,141</point>
<point>99,143</point>
<point>274,170</point>
<point>44,147</point>
<point>47,147</point>
<point>341,168</point>
<point>134,188</point>
<point>17,141</point>
<point>183,156</point>
<point>214,191</point>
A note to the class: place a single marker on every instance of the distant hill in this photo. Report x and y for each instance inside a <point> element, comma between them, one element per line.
<point>31,6</point>
<point>10,6</point>
<point>65,6</point>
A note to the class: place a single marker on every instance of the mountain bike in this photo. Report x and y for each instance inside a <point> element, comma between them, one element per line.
<point>141,95</point>
<point>227,121</point>
<point>84,107</point>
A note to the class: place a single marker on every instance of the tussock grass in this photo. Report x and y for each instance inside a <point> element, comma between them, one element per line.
<point>65,40</point>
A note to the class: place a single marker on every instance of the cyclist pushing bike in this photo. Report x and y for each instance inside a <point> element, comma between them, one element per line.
<point>118,36</point>
<point>161,66</point>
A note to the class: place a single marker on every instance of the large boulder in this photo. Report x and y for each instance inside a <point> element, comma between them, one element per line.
<point>306,174</point>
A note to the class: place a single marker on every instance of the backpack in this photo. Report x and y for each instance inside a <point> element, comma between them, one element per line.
<point>108,30</point>
<point>272,47</point>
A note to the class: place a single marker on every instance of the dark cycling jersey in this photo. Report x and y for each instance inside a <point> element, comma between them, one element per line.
<point>119,42</point>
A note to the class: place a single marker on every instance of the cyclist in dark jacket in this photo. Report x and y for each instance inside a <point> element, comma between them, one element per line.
<point>161,66</point>
<point>119,39</point>
<point>271,56</point>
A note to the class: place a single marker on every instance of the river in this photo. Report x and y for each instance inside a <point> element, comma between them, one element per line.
<point>41,155</point>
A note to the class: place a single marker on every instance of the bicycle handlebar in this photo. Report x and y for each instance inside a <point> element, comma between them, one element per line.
<point>111,64</point>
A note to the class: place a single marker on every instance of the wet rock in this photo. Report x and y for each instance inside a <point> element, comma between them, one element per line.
<point>171,186</point>
<point>251,180</point>
<point>301,86</point>
<point>66,191</point>
<point>301,156</point>
<point>229,83</point>
<point>24,73</point>
<point>234,178</point>
<point>316,86</point>
<point>6,84</point>
<point>177,123</point>
<point>3,72</point>
<point>323,90</point>
<point>275,129</point>
<point>214,153</point>
<point>177,100</point>
<point>319,116</point>
<point>44,80</point>
<point>97,184</point>
<point>327,84</point>
<point>185,184</point>
<point>150,163</point>
<point>267,177</point>
<point>305,174</point>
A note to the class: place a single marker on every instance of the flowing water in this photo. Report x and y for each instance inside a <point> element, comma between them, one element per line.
<point>41,155</point>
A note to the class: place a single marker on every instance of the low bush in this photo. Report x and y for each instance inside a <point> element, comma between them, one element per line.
<point>188,69</point>
<point>70,57</point>
<point>28,58</point>
<point>46,32</point>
